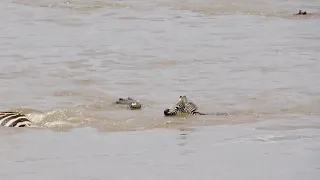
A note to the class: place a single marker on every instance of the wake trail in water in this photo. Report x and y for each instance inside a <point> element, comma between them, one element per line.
<point>105,116</point>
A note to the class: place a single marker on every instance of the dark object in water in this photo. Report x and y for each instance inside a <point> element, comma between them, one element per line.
<point>130,103</point>
<point>301,13</point>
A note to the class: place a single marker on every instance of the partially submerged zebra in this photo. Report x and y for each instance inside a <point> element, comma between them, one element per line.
<point>14,119</point>
<point>184,106</point>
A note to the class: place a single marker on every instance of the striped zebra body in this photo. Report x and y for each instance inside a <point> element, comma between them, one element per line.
<point>183,107</point>
<point>14,119</point>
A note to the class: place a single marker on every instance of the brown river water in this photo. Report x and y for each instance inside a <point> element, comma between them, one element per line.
<point>65,62</point>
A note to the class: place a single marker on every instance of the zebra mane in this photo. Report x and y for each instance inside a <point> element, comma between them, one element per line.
<point>183,100</point>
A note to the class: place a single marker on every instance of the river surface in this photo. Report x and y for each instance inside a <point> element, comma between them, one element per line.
<point>64,63</point>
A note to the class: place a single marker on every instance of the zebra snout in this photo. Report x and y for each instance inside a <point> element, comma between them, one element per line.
<point>166,112</point>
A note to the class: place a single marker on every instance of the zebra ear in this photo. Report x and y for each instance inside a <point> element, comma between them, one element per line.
<point>183,99</point>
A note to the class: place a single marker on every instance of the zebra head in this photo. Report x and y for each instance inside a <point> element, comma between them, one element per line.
<point>183,106</point>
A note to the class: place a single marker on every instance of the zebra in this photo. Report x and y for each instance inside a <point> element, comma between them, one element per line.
<point>183,107</point>
<point>301,13</point>
<point>14,119</point>
<point>187,107</point>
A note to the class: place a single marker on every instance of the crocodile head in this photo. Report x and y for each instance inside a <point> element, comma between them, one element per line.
<point>129,102</point>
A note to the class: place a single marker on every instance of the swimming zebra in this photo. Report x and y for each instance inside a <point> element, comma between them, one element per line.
<point>301,13</point>
<point>183,107</point>
<point>14,119</point>
<point>187,107</point>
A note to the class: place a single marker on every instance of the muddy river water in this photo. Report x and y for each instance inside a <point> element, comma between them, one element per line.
<point>65,62</point>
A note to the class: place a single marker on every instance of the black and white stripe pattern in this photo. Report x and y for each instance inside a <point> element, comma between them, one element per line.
<point>183,107</point>
<point>176,110</point>
<point>14,119</point>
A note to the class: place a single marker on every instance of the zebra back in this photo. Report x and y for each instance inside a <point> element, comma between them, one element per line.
<point>14,119</point>
<point>190,108</point>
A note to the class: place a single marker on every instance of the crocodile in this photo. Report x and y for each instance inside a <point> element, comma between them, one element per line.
<point>129,103</point>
